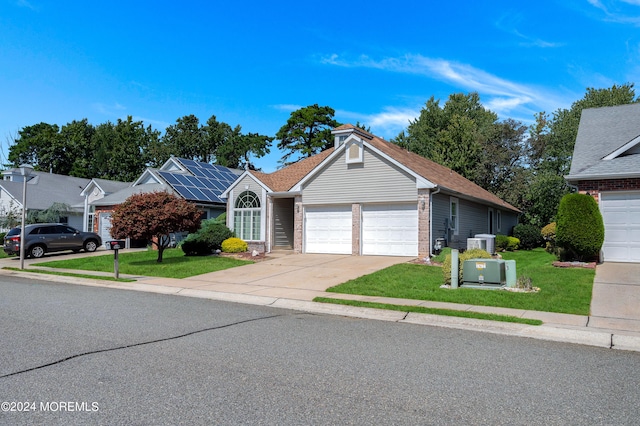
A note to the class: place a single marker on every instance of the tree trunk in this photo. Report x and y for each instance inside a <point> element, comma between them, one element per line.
<point>160,251</point>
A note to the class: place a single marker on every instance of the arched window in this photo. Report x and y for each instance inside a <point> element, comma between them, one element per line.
<point>246,216</point>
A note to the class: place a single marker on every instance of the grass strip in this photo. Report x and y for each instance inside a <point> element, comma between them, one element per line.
<point>71,274</point>
<point>433,311</point>
<point>174,264</point>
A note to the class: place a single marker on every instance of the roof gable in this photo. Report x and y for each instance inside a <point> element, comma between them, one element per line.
<point>607,144</point>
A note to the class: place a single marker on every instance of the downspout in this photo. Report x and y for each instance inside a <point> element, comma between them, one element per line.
<point>431,218</point>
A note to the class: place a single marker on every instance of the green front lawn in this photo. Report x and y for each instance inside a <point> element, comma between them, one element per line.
<point>174,264</point>
<point>561,290</point>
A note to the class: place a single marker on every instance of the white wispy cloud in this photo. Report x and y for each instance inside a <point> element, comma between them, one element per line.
<point>499,94</point>
<point>27,4</point>
<point>619,11</point>
<point>109,109</point>
<point>287,107</point>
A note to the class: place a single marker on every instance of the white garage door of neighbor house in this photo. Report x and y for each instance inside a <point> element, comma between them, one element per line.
<point>390,230</point>
<point>328,230</point>
<point>621,215</point>
<point>105,227</point>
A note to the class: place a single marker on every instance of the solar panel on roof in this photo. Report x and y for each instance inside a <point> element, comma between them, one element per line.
<point>206,182</point>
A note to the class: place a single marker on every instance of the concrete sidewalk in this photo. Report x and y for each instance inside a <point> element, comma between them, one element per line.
<point>293,281</point>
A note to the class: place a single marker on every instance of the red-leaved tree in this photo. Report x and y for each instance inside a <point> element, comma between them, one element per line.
<point>153,216</point>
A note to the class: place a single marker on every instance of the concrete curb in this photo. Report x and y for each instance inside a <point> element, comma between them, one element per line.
<point>575,335</point>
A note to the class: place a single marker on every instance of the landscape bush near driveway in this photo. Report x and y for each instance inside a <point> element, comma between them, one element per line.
<point>561,290</point>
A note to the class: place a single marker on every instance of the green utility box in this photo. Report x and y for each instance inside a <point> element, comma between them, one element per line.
<point>484,273</point>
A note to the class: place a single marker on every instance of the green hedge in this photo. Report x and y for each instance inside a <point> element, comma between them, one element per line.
<point>529,236</point>
<point>579,227</point>
<point>207,239</point>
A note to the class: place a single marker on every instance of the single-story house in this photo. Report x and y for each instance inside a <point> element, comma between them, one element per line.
<point>198,182</point>
<point>363,196</point>
<point>606,165</point>
<point>43,190</point>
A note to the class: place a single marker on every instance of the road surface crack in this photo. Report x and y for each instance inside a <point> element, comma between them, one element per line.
<point>133,345</point>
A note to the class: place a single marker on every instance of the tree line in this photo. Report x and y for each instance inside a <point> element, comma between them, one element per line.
<point>524,165</point>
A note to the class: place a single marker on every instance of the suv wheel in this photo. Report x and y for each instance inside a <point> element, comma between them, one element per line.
<point>90,246</point>
<point>36,252</point>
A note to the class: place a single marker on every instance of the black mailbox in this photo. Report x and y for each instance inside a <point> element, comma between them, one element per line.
<point>116,244</point>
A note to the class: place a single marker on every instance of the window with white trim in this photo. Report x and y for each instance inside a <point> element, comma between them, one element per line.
<point>454,215</point>
<point>246,216</point>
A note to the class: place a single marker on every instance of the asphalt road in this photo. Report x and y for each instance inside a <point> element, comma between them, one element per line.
<point>81,355</point>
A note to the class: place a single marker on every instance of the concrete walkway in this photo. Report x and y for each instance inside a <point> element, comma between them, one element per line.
<point>292,281</point>
<point>615,303</point>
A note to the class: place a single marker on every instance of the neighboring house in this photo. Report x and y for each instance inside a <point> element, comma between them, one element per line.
<point>606,165</point>
<point>43,190</point>
<point>198,182</point>
<point>95,190</point>
<point>364,196</point>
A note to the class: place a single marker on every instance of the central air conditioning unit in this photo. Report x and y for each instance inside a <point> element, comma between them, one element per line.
<point>476,243</point>
<point>491,242</point>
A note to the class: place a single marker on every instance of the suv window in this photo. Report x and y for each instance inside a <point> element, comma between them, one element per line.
<point>14,231</point>
<point>62,229</point>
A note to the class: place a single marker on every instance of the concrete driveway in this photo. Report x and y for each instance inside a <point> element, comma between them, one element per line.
<point>615,303</point>
<point>292,276</point>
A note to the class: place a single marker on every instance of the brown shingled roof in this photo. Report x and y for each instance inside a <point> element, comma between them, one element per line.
<point>284,179</point>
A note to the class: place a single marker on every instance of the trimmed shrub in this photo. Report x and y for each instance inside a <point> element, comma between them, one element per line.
<point>193,247</point>
<point>222,218</point>
<point>234,245</point>
<point>469,254</point>
<point>549,235</point>
<point>529,236</point>
<point>207,239</point>
<point>579,227</point>
<point>505,243</point>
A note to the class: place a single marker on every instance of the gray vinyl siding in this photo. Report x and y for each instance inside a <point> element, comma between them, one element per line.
<point>253,186</point>
<point>440,206</point>
<point>473,219</point>
<point>283,222</point>
<point>373,181</point>
<point>509,220</point>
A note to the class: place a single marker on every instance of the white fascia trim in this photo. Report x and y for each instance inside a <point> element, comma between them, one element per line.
<point>577,178</point>
<point>244,174</point>
<point>624,148</point>
<point>286,194</point>
<point>298,187</point>
<point>421,182</point>
<point>145,174</point>
<point>172,161</point>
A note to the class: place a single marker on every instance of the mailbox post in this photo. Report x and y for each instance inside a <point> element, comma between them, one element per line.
<point>116,245</point>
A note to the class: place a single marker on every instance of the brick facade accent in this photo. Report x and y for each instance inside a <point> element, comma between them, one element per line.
<point>298,224</point>
<point>356,217</point>
<point>595,187</point>
<point>424,216</point>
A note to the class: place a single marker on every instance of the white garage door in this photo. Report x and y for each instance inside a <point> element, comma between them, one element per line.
<point>621,215</point>
<point>390,230</point>
<point>328,230</point>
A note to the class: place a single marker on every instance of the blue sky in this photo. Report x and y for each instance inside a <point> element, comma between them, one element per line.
<point>253,62</point>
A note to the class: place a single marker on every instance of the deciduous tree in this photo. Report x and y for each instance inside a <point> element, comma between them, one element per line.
<point>153,216</point>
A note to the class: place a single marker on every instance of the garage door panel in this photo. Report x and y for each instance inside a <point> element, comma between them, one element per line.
<point>621,216</point>
<point>390,230</point>
<point>328,230</point>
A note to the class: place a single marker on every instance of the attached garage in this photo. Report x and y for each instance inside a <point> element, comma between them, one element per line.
<point>328,229</point>
<point>390,230</point>
<point>621,215</point>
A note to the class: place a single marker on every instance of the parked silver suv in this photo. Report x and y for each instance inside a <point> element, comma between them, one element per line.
<point>42,238</point>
